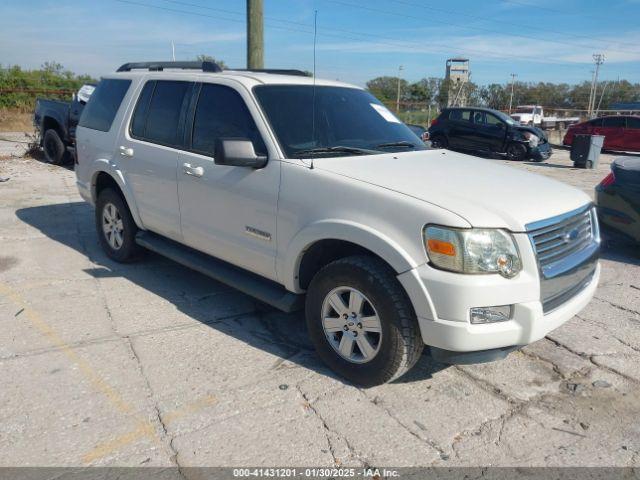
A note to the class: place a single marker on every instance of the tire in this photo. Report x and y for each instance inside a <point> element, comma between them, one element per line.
<point>397,341</point>
<point>516,151</point>
<point>439,141</point>
<point>123,247</point>
<point>54,149</point>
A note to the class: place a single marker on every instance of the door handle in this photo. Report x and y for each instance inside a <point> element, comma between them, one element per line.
<point>188,169</point>
<point>126,151</point>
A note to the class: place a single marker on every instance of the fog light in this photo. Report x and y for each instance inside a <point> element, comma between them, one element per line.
<point>500,313</point>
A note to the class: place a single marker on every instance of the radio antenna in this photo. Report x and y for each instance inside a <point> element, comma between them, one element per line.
<point>313,101</point>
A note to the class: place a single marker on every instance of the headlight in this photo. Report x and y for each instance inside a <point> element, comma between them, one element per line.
<point>534,140</point>
<point>472,250</point>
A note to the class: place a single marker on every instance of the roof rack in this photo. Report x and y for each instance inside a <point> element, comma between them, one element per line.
<point>275,71</point>
<point>159,66</point>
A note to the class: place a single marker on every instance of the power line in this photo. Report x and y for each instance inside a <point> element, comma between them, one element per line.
<point>538,7</point>
<point>461,25</point>
<point>505,22</point>
<point>379,39</point>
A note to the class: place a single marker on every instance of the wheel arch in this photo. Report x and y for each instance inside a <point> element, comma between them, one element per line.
<point>102,179</point>
<point>329,240</point>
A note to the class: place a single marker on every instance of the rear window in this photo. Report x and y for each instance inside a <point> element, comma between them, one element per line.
<point>460,115</point>
<point>104,103</point>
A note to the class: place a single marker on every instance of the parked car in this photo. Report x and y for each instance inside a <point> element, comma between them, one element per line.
<point>484,130</point>
<point>621,132</point>
<point>618,199</point>
<point>420,131</point>
<point>388,246</point>
<point>56,123</point>
<point>534,115</point>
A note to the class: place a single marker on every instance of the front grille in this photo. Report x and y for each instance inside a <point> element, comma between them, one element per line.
<point>566,248</point>
<point>559,240</point>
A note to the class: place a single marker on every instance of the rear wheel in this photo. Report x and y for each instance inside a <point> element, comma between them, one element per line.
<point>361,322</point>
<point>53,147</point>
<point>439,141</point>
<point>516,151</point>
<point>115,226</point>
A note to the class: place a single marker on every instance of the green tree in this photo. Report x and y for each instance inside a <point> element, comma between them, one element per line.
<point>208,58</point>
<point>385,89</point>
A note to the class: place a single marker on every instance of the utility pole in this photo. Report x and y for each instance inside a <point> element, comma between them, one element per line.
<point>599,59</point>
<point>513,80</point>
<point>255,34</point>
<point>398,97</point>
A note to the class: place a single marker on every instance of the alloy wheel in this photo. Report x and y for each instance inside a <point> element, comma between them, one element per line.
<point>112,226</point>
<point>351,325</point>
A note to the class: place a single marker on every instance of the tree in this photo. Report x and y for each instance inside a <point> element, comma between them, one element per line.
<point>385,89</point>
<point>424,90</point>
<point>208,58</point>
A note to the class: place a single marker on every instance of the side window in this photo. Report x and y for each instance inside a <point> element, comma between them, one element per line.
<point>167,106</point>
<point>139,120</point>
<point>614,122</point>
<point>104,103</point>
<point>595,123</point>
<point>222,113</point>
<point>460,115</point>
<point>492,120</point>
<point>633,122</point>
<point>478,118</point>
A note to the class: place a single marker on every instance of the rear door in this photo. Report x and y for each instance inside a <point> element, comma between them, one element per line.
<point>149,153</point>
<point>632,134</point>
<point>227,211</point>
<point>460,128</point>
<point>613,130</point>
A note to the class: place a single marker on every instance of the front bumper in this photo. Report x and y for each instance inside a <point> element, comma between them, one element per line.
<point>442,301</point>
<point>542,152</point>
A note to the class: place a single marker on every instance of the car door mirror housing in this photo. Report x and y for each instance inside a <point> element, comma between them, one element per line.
<point>237,152</point>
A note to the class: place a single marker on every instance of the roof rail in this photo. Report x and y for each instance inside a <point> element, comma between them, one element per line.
<point>159,66</point>
<point>275,71</point>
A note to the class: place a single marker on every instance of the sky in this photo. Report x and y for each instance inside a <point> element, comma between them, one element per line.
<point>538,40</point>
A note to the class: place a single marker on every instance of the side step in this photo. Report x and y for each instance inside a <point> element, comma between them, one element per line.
<point>262,289</point>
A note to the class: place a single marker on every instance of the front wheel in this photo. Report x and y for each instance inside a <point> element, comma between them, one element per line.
<point>361,321</point>
<point>516,151</point>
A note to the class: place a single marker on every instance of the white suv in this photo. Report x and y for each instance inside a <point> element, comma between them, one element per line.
<point>310,193</point>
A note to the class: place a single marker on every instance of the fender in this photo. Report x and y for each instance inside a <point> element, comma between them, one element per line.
<point>105,166</point>
<point>336,229</point>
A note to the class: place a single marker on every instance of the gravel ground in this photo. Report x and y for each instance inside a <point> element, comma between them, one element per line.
<point>153,364</point>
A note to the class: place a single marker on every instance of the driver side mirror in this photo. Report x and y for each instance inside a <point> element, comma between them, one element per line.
<point>237,152</point>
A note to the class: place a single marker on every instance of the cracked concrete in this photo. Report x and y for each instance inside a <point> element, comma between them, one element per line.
<point>153,364</point>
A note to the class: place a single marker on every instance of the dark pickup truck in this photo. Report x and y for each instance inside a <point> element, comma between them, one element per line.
<point>56,123</point>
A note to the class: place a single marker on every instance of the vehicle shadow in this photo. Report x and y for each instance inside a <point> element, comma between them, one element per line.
<point>260,326</point>
<point>552,165</point>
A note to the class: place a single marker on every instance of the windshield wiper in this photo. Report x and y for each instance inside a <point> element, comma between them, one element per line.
<point>336,149</point>
<point>403,143</point>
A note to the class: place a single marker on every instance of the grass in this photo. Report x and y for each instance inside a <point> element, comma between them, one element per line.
<point>15,120</point>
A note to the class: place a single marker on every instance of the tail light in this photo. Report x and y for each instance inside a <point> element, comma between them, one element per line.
<point>608,180</point>
<point>434,121</point>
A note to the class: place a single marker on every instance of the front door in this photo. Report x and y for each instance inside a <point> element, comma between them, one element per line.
<point>226,211</point>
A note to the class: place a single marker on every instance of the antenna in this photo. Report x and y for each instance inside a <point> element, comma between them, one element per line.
<point>313,101</point>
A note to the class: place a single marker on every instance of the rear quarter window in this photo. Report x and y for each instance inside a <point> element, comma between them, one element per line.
<point>104,103</point>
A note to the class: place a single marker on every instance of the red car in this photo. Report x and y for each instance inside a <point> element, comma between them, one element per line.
<point>621,132</point>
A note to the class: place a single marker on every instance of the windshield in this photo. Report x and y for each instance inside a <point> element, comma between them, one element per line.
<point>505,118</point>
<point>348,121</point>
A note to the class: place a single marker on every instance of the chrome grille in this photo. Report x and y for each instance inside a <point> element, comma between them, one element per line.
<point>567,249</point>
<point>559,240</point>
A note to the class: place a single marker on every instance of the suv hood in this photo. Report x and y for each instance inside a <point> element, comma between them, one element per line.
<point>483,192</point>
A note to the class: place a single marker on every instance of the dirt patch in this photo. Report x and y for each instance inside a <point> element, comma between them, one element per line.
<point>16,120</point>
<point>7,262</point>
